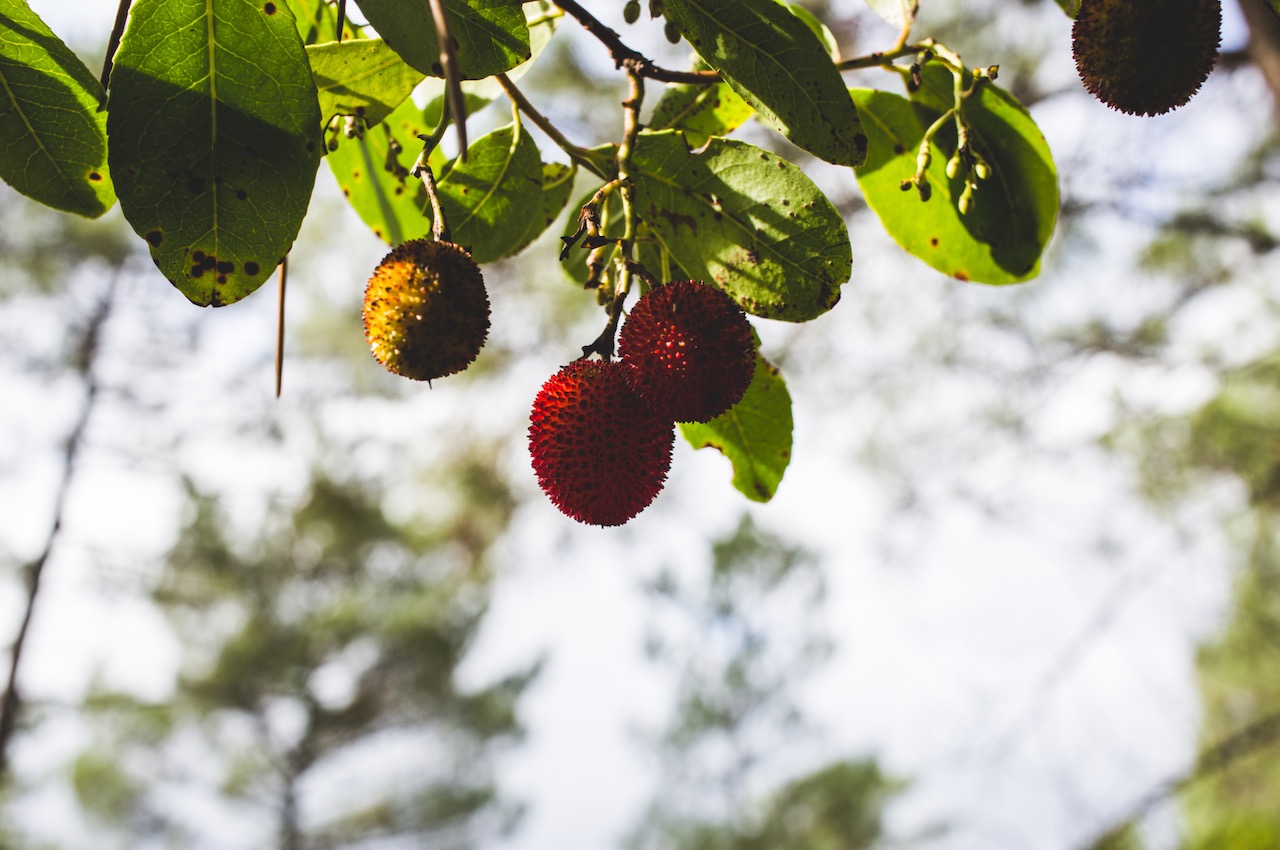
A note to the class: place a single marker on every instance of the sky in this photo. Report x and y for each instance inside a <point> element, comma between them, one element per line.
<point>1030,681</point>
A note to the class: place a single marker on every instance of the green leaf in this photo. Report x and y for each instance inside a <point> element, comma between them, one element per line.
<point>488,199</point>
<point>701,111</point>
<point>557,184</point>
<point>492,35</point>
<point>900,13</point>
<point>362,77</point>
<point>542,18</point>
<point>815,26</point>
<point>373,173</point>
<point>746,220</point>
<point>1072,7</point>
<point>53,140</point>
<point>776,63</point>
<point>215,139</point>
<point>754,434</point>
<point>1001,239</point>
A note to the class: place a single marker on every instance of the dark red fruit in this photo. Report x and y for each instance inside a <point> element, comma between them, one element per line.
<point>600,453</point>
<point>1146,57</point>
<point>426,312</point>
<point>688,350</point>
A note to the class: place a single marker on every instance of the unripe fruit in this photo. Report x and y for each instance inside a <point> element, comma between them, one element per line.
<point>689,351</point>
<point>1146,57</point>
<point>426,312</point>
<point>600,454</point>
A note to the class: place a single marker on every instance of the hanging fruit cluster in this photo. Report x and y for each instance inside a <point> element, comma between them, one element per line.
<point>210,120</point>
<point>601,432</point>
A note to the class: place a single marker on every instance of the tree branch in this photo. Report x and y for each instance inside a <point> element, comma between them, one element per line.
<point>86,356</point>
<point>624,55</point>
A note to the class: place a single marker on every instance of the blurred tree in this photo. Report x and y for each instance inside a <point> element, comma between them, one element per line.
<point>1229,793</point>
<point>320,677</point>
<point>738,645</point>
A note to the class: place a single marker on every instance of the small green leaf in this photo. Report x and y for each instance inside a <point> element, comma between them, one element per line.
<point>746,220</point>
<point>557,184</point>
<point>361,77</point>
<point>492,35</point>
<point>1072,7</point>
<point>897,13</point>
<point>775,62</point>
<point>317,21</point>
<point>701,111</point>
<point>215,139</point>
<point>754,434</point>
<point>488,199</point>
<point>53,139</point>
<point>1001,238</point>
<point>373,173</point>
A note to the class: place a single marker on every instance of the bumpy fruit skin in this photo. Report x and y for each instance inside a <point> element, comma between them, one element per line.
<point>426,312</point>
<point>600,454</point>
<point>689,351</point>
<point>1146,57</point>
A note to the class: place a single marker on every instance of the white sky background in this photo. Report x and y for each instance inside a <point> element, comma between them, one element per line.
<point>954,622</point>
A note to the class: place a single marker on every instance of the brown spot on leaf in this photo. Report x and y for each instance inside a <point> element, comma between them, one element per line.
<point>241,194</point>
<point>933,242</point>
<point>155,237</point>
<point>962,276</point>
<point>95,176</point>
<point>676,219</point>
<point>225,268</point>
<point>250,268</point>
<point>269,8</point>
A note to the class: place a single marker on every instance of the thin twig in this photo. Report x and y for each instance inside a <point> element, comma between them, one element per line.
<point>452,75</point>
<point>624,55</point>
<point>117,30</point>
<point>284,274</point>
<point>578,154</point>
<point>11,702</point>
<point>439,225</point>
<point>604,344</point>
<point>882,59</point>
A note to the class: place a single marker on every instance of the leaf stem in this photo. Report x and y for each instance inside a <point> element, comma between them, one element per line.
<point>284,276</point>
<point>117,30</point>
<point>578,154</point>
<point>626,56</point>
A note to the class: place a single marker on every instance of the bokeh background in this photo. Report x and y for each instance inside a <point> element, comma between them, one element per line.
<point>1020,587</point>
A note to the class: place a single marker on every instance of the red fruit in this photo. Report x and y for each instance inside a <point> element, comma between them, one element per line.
<point>600,453</point>
<point>689,351</point>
